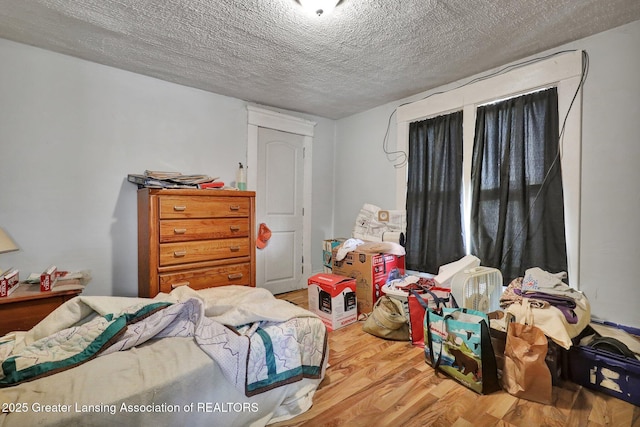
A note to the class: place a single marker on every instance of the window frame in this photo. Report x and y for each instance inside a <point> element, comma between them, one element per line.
<point>564,71</point>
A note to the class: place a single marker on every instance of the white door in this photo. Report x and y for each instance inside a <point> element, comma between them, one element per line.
<point>279,204</point>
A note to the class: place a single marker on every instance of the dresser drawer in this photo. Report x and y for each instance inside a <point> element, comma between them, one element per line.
<point>204,250</point>
<point>235,274</point>
<point>180,230</point>
<point>176,207</point>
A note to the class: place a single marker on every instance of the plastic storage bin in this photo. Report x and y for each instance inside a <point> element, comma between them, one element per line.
<point>606,372</point>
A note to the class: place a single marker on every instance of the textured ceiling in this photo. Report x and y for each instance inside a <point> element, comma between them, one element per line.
<point>364,54</point>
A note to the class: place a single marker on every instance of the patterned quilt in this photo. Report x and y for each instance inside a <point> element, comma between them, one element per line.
<point>254,357</point>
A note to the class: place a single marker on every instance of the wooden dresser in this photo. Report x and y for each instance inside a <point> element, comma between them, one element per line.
<point>195,238</point>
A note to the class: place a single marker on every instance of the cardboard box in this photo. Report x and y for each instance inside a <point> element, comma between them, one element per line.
<point>371,272</point>
<point>327,252</point>
<point>333,299</point>
<point>9,282</point>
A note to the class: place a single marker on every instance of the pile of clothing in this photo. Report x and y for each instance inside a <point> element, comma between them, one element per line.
<point>542,298</point>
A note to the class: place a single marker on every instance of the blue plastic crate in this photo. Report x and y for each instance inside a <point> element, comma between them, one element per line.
<point>606,372</point>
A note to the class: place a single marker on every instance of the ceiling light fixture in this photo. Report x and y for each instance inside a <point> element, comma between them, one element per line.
<point>319,7</point>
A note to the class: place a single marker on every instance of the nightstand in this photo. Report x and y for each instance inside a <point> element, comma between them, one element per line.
<point>27,306</point>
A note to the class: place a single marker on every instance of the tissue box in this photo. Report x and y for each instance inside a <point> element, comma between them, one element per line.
<point>47,278</point>
<point>9,282</point>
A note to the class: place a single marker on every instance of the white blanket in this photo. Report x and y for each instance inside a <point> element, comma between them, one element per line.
<point>88,326</point>
<point>229,305</point>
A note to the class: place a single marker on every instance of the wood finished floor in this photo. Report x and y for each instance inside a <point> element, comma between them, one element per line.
<point>374,382</point>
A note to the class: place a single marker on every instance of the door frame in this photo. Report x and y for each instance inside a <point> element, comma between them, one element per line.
<point>259,117</point>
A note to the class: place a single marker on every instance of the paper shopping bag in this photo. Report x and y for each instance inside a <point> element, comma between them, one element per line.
<point>526,374</point>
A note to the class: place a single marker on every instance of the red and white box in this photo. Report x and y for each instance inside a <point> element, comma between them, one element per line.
<point>333,299</point>
<point>371,270</point>
<point>9,282</point>
<point>47,278</point>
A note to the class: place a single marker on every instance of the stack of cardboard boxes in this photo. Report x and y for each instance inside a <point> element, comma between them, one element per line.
<point>351,286</point>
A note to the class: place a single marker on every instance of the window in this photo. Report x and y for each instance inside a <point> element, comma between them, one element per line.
<point>565,71</point>
<point>434,196</point>
<point>517,211</point>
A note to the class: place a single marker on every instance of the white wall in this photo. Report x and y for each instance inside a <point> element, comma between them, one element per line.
<point>71,131</point>
<point>363,172</point>
<point>610,199</point>
<point>611,175</point>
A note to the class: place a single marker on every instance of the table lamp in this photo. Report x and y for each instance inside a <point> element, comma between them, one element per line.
<point>6,243</point>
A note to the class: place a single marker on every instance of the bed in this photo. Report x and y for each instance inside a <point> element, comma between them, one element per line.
<point>165,361</point>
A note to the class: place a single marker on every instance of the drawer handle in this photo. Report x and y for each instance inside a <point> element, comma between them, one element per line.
<point>234,248</point>
<point>179,230</point>
<point>234,208</point>
<point>175,285</point>
<point>180,208</point>
<point>234,228</point>
<point>179,254</point>
<point>235,276</point>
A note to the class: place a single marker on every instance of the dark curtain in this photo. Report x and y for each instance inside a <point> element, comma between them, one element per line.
<point>517,212</point>
<point>434,193</point>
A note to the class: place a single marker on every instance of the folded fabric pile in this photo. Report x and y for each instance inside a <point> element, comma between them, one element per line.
<point>560,311</point>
